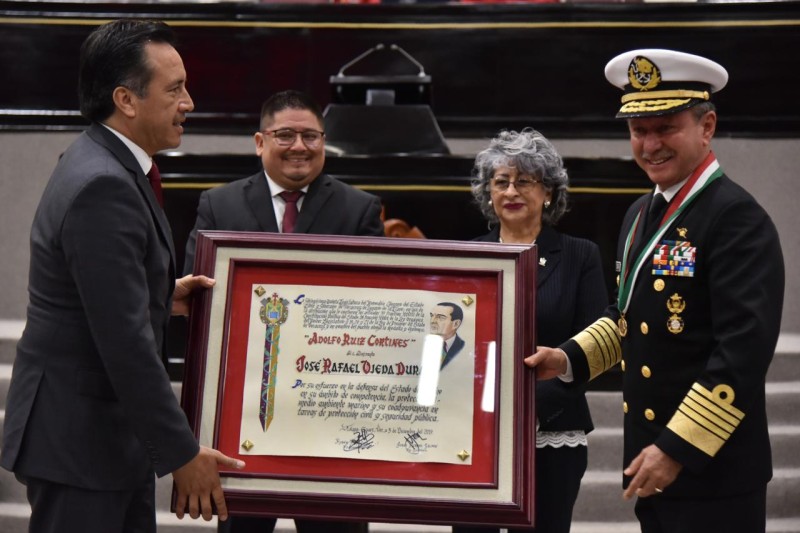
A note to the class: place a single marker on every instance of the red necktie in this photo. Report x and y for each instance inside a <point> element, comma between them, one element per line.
<point>290,213</point>
<point>154,177</point>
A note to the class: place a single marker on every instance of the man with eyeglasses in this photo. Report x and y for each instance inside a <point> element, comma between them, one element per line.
<point>291,144</point>
<point>291,194</point>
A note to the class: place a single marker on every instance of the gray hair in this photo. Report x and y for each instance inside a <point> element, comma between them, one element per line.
<point>702,108</point>
<point>530,153</point>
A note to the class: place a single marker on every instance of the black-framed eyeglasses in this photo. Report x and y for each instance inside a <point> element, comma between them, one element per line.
<point>522,184</point>
<point>288,136</point>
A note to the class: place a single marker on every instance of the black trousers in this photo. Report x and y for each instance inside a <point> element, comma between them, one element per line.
<point>57,508</point>
<point>746,513</point>
<point>558,478</point>
<point>252,524</point>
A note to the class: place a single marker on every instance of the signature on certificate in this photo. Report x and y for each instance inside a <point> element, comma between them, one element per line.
<point>412,444</point>
<point>363,440</point>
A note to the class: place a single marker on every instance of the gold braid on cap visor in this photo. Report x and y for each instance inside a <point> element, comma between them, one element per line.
<point>703,95</point>
<point>648,102</point>
<point>642,106</point>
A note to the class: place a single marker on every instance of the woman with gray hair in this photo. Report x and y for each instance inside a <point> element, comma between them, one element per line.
<point>520,184</point>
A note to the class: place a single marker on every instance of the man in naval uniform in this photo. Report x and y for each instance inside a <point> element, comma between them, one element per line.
<point>697,317</point>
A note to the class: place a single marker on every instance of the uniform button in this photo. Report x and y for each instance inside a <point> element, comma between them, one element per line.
<point>645,328</point>
<point>624,407</point>
<point>622,364</point>
<point>617,280</point>
<point>658,285</point>
<point>646,371</point>
<point>649,414</point>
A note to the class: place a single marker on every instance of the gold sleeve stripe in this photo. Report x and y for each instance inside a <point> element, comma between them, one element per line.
<point>608,338</point>
<point>722,404</point>
<point>600,343</point>
<point>711,408</point>
<point>705,420</point>
<point>695,435</point>
<point>709,425</point>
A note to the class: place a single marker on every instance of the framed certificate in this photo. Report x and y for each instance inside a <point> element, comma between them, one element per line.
<point>366,378</point>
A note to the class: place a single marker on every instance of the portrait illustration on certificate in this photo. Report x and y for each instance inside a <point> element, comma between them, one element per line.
<point>359,373</point>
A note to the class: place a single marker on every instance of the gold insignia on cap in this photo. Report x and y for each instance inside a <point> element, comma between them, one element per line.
<point>682,232</point>
<point>463,455</point>
<point>643,74</point>
<point>247,445</point>
<point>260,291</point>
<point>467,300</point>
<point>659,284</point>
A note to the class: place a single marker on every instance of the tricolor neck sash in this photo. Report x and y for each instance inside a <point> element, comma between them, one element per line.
<point>708,171</point>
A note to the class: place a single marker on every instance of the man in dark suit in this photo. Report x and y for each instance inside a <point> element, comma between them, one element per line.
<point>698,312</point>
<point>291,195</point>
<point>91,414</point>
<point>291,145</point>
<point>446,318</point>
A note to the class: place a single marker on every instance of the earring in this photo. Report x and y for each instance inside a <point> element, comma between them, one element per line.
<point>547,204</point>
<point>490,202</point>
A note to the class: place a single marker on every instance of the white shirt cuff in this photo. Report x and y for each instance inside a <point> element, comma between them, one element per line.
<point>567,377</point>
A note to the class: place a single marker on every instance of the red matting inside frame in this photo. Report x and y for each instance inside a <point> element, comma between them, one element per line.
<point>245,273</point>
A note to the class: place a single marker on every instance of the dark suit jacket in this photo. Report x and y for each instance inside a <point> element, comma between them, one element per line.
<point>456,347</point>
<point>330,207</point>
<point>90,403</point>
<point>694,383</point>
<point>570,295</point>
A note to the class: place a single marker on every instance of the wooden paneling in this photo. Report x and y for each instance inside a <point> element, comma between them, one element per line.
<point>493,66</point>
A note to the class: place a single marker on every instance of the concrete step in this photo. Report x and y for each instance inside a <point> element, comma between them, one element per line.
<point>11,490</point>
<point>600,497</point>
<point>5,381</point>
<point>783,403</point>
<point>10,332</point>
<point>8,350</point>
<point>605,447</point>
<point>14,519</point>
<point>784,367</point>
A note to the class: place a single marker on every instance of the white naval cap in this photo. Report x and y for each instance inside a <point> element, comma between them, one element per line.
<point>659,82</point>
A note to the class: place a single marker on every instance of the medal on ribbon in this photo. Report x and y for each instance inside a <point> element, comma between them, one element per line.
<point>706,173</point>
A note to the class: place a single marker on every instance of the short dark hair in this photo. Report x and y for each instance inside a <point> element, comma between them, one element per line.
<point>114,55</point>
<point>290,99</point>
<point>457,313</point>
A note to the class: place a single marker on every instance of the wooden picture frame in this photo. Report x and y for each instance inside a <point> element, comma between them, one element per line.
<point>354,316</point>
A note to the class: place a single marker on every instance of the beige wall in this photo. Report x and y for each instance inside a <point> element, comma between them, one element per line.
<point>767,168</point>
